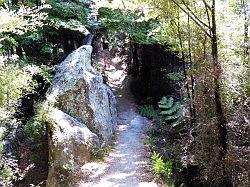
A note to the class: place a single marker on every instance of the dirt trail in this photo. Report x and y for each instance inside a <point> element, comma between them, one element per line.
<point>127,165</point>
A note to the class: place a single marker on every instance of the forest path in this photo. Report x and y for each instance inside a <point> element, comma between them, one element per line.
<point>127,165</point>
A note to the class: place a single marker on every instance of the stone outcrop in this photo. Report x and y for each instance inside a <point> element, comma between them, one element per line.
<point>85,117</point>
<point>71,145</point>
<point>81,93</point>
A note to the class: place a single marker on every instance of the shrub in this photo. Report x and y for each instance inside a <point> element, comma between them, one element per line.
<point>13,82</point>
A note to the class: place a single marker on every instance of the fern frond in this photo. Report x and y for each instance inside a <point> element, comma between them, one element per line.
<point>173,109</point>
<point>166,103</point>
<point>168,118</point>
<point>148,111</point>
<point>169,110</point>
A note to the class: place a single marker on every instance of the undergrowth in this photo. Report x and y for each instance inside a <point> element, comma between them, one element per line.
<point>162,140</point>
<point>168,111</point>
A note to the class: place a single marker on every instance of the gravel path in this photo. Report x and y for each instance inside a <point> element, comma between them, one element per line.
<point>127,165</point>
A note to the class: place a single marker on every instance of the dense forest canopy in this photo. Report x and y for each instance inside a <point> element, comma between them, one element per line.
<point>210,39</point>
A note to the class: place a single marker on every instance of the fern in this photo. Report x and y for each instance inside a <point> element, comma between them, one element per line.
<point>148,111</point>
<point>158,164</point>
<point>160,168</point>
<point>170,110</point>
<point>166,103</point>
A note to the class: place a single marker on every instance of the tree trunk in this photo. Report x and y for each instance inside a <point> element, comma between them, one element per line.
<point>246,9</point>
<point>218,103</point>
<point>193,110</point>
<point>185,73</point>
<point>221,119</point>
<point>135,59</point>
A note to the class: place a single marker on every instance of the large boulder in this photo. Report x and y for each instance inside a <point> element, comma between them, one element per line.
<point>71,145</point>
<point>81,93</point>
<point>83,117</point>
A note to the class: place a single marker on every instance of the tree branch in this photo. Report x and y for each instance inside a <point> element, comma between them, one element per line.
<point>193,18</point>
<point>208,16</point>
<point>207,5</point>
<point>193,14</point>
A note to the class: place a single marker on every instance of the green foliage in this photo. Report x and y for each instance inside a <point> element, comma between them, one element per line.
<point>69,15</point>
<point>2,2</point>
<point>8,43</point>
<point>47,73</point>
<point>16,79</point>
<point>2,133</point>
<point>8,171</point>
<point>46,49</point>
<point>36,31</point>
<point>72,25</point>
<point>176,76</point>
<point>13,82</point>
<point>148,111</point>
<point>166,154</point>
<point>67,10</point>
<point>36,127</point>
<point>170,110</point>
<point>9,20</point>
<point>160,168</point>
<point>134,24</point>
<point>32,37</point>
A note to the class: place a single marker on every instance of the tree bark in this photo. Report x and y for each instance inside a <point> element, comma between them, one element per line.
<point>193,111</point>
<point>218,102</point>
<point>192,116</point>
<point>246,11</point>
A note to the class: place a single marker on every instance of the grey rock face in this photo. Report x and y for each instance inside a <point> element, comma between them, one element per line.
<point>86,116</point>
<point>71,144</point>
<point>82,94</point>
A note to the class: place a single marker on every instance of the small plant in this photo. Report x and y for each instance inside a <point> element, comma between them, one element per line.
<point>170,110</point>
<point>160,168</point>
<point>35,128</point>
<point>148,111</point>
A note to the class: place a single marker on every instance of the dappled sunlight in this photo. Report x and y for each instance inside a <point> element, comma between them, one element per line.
<point>124,93</point>
<point>128,162</point>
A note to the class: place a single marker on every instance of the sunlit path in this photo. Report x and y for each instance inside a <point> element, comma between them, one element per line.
<point>128,164</point>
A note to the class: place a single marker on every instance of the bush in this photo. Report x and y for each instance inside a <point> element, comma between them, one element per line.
<point>13,82</point>
<point>16,82</point>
